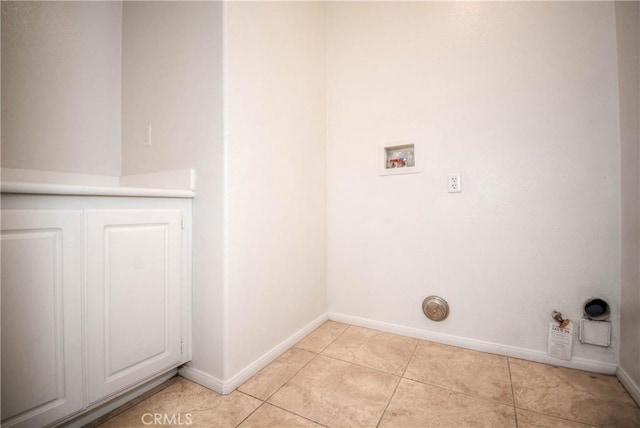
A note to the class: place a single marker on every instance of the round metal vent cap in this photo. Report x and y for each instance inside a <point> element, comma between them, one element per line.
<point>435,308</point>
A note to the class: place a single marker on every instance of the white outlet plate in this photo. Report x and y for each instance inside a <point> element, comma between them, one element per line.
<point>453,182</point>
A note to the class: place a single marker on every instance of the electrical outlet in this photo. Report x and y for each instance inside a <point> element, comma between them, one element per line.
<point>453,182</point>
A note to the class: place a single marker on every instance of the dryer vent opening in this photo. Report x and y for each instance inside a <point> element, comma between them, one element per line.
<point>596,309</point>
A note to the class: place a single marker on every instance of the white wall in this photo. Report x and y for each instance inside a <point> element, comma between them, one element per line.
<point>172,79</point>
<point>61,86</point>
<point>627,24</point>
<point>521,99</point>
<point>529,117</point>
<point>275,175</point>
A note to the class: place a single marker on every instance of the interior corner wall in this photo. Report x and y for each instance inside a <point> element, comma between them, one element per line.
<point>61,86</point>
<point>275,175</point>
<point>172,80</point>
<point>628,37</point>
<point>521,100</point>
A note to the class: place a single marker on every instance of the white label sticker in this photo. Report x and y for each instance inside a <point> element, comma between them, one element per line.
<point>560,340</point>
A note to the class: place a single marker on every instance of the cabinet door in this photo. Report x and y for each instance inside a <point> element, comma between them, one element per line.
<point>41,316</point>
<point>133,273</point>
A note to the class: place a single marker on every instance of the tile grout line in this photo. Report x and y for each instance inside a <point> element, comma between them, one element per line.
<point>513,393</point>
<point>326,346</point>
<point>297,414</point>
<point>335,338</point>
<point>252,396</point>
<point>321,354</point>
<point>516,407</point>
<point>560,418</point>
<point>289,380</point>
<point>254,410</point>
<point>286,381</point>
<point>297,371</point>
<point>416,380</point>
<point>401,377</point>
<point>415,348</point>
<point>292,376</point>
<point>317,354</point>
<point>211,406</point>
<point>398,384</point>
<point>335,359</point>
<point>264,402</point>
<point>490,400</point>
<point>468,394</point>
<point>359,365</point>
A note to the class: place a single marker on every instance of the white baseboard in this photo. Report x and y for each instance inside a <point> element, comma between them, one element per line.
<point>203,378</point>
<point>229,385</point>
<point>632,387</point>
<point>478,345</point>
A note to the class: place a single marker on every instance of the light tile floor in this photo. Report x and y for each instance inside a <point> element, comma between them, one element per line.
<point>347,376</point>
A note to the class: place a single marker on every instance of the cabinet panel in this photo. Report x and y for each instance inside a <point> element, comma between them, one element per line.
<point>41,316</point>
<point>136,270</point>
<point>133,296</point>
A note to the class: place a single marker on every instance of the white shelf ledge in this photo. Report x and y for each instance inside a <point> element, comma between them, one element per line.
<point>74,189</point>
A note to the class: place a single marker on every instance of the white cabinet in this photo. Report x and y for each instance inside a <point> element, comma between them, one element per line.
<point>41,316</point>
<point>95,300</point>
<point>133,296</point>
